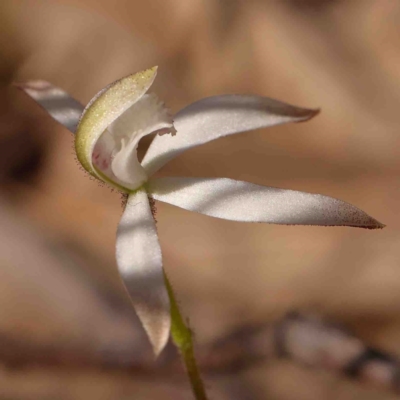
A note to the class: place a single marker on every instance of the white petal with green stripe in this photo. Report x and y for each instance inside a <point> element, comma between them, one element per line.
<point>113,123</point>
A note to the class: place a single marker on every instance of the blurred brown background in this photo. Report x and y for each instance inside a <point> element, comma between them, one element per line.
<point>60,293</point>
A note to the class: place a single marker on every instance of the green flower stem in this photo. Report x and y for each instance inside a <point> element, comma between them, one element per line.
<point>182,338</point>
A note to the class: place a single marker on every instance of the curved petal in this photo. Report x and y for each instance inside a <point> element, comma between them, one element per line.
<point>214,117</point>
<point>146,116</point>
<point>58,103</point>
<point>140,266</point>
<point>247,202</point>
<point>109,104</point>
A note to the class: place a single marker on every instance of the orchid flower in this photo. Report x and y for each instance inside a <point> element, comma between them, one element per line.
<point>107,133</point>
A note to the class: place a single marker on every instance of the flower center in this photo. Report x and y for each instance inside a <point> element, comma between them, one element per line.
<point>115,153</point>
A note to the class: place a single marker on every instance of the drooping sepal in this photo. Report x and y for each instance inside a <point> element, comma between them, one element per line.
<point>139,263</point>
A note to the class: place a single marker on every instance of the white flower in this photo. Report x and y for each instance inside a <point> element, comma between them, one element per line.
<point>107,134</point>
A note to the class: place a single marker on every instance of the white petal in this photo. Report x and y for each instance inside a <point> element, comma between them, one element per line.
<point>140,265</point>
<point>215,117</point>
<point>58,103</point>
<point>243,201</point>
<point>146,116</point>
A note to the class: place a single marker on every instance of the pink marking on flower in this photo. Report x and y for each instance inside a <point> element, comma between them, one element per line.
<point>101,159</point>
<point>95,160</point>
<point>104,164</point>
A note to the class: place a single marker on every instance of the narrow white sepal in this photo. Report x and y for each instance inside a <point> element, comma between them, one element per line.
<point>214,117</point>
<point>58,103</point>
<point>247,202</point>
<point>140,265</point>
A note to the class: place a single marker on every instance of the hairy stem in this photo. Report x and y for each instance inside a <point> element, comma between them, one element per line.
<point>182,338</point>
